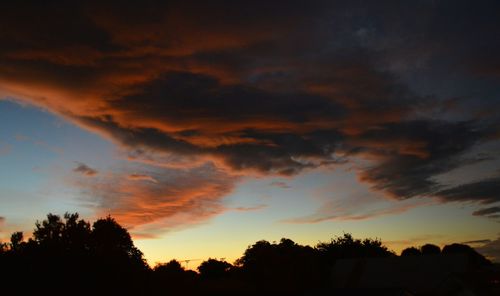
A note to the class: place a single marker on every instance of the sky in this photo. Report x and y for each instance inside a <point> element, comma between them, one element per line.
<point>206,126</point>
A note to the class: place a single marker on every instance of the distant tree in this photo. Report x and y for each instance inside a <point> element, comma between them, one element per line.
<point>170,268</point>
<point>347,247</point>
<point>430,249</point>
<point>411,251</point>
<point>3,247</point>
<point>214,269</point>
<point>71,234</point>
<point>284,268</point>
<point>475,259</point>
<point>16,239</point>
<point>255,253</point>
<point>173,277</point>
<point>76,233</point>
<point>49,231</point>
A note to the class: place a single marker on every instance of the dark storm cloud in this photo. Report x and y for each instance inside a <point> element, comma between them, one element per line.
<point>182,96</point>
<point>137,137</point>
<point>485,191</point>
<point>270,87</point>
<point>414,152</point>
<point>281,153</point>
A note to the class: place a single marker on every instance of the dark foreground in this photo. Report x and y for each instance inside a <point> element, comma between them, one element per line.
<point>70,256</point>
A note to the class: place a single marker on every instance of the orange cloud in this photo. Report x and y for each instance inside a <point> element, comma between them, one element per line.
<point>253,88</point>
<point>176,198</point>
<point>142,177</point>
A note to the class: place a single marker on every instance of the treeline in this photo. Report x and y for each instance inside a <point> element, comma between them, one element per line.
<point>69,255</point>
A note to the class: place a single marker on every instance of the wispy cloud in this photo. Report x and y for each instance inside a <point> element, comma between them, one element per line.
<point>488,212</point>
<point>416,240</point>
<point>85,170</point>
<point>478,241</point>
<point>280,184</point>
<point>491,249</point>
<point>177,198</point>
<point>329,213</point>
<point>250,209</point>
<point>142,177</point>
<point>5,149</point>
<point>2,222</point>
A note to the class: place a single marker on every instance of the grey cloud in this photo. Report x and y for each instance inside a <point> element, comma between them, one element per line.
<point>280,184</point>
<point>484,191</point>
<point>491,250</point>
<point>408,174</point>
<point>85,170</point>
<point>479,241</point>
<point>486,211</point>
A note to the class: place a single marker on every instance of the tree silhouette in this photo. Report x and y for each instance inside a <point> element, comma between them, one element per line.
<point>3,247</point>
<point>214,269</point>
<point>475,259</point>
<point>76,233</point>
<point>411,251</point>
<point>16,239</point>
<point>49,231</point>
<point>108,238</point>
<point>347,247</point>
<point>284,268</point>
<point>172,277</point>
<point>173,267</point>
<point>77,255</point>
<point>430,249</point>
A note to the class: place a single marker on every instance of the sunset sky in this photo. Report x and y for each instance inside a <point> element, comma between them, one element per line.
<point>205,126</point>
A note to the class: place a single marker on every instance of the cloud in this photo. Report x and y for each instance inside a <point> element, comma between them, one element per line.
<point>142,177</point>
<point>280,184</point>
<point>487,211</point>
<point>265,88</point>
<point>335,211</point>
<point>85,170</point>
<point>177,199</point>
<point>479,241</point>
<point>484,191</point>
<point>5,149</point>
<point>437,148</point>
<point>250,209</point>
<point>2,222</point>
<point>491,250</point>
<point>415,241</point>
